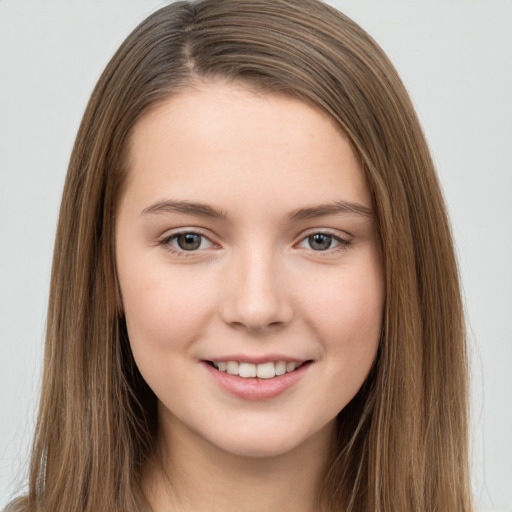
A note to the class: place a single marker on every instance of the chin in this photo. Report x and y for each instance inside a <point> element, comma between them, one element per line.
<point>260,449</point>
<point>264,443</point>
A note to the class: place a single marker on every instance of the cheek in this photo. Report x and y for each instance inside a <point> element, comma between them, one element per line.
<point>349,326</point>
<point>164,312</point>
<point>348,316</point>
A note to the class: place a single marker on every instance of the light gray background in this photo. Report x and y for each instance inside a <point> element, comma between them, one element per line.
<point>455,57</point>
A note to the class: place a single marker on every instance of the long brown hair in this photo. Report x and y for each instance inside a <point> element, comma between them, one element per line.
<point>402,441</point>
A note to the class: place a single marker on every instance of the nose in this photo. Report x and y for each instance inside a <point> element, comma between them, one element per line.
<point>256,297</point>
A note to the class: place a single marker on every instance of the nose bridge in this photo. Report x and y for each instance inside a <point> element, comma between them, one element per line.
<point>257,297</point>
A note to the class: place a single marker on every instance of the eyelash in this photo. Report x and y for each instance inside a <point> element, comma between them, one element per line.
<point>165,242</point>
<point>342,243</point>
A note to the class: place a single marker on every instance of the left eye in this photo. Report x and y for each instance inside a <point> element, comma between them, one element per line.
<point>320,241</point>
<point>188,241</point>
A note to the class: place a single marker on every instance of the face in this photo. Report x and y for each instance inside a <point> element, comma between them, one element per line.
<point>249,268</point>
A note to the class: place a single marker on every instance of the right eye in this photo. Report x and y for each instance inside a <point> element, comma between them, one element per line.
<point>186,242</point>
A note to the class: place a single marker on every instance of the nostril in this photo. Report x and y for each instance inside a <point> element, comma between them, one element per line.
<point>257,327</point>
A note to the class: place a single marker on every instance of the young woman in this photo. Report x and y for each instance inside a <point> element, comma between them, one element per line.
<point>255,303</point>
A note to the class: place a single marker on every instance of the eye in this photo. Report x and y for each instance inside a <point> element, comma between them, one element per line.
<point>186,242</point>
<point>323,242</point>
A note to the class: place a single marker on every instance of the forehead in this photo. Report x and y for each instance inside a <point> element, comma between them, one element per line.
<point>225,142</point>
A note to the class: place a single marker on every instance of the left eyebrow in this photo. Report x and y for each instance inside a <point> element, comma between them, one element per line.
<point>330,209</point>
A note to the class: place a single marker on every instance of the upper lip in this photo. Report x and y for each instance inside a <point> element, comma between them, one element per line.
<point>267,358</point>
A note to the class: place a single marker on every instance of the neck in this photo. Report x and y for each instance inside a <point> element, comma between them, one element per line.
<point>198,476</point>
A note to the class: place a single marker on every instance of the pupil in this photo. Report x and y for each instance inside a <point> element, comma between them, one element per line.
<point>189,241</point>
<point>320,242</point>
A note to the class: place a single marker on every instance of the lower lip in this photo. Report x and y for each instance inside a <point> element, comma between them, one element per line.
<point>253,388</point>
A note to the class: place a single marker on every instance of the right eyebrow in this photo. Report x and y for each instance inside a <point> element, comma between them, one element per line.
<point>186,207</point>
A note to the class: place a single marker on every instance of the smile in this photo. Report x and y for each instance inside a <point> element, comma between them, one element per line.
<point>267,370</point>
<point>259,380</point>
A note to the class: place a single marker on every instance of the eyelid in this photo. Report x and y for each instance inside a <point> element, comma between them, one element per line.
<point>166,239</point>
<point>341,237</point>
<point>342,241</point>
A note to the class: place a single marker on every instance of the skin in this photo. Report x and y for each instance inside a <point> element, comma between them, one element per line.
<point>256,286</point>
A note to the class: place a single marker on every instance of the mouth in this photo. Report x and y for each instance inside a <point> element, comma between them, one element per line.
<point>267,370</point>
<point>262,379</point>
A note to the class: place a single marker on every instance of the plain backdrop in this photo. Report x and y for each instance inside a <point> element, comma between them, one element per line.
<point>455,58</point>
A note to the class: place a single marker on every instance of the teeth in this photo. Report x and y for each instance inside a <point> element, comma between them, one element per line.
<point>247,370</point>
<point>280,368</point>
<point>262,371</point>
<point>290,367</point>
<point>232,367</point>
<point>266,370</point>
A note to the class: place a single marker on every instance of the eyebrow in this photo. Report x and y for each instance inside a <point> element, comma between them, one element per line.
<point>309,212</point>
<point>187,207</point>
<point>330,209</point>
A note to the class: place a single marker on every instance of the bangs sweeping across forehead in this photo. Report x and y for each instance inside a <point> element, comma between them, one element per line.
<point>402,441</point>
